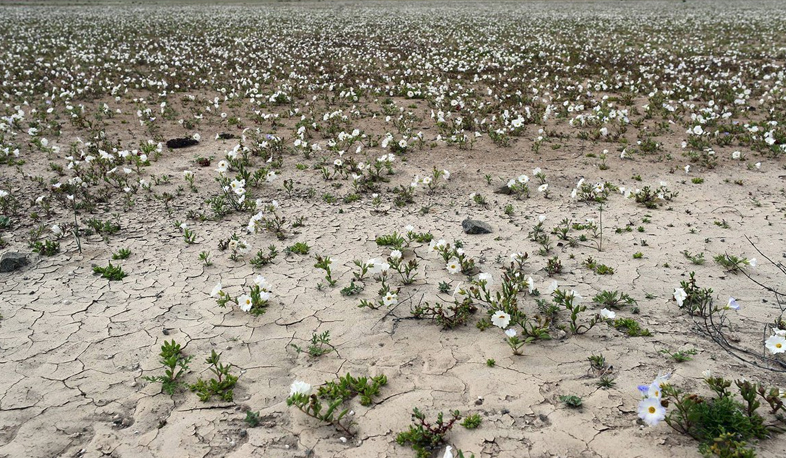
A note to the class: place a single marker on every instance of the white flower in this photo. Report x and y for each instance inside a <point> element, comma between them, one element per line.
<point>687,169</point>
<point>651,411</point>
<point>453,266</point>
<point>736,155</point>
<point>733,304</point>
<point>390,299</point>
<point>395,254</point>
<point>56,230</point>
<point>448,452</point>
<point>541,218</point>
<point>500,319</point>
<point>299,387</point>
<point>661,379</point>
<point>244,302</point>
<point>530,284</point>
<point>654,391</point>
<point>402,144</point>
<point>752,262</point>
<point>523,179</point>
<point>776,344</point>
<point>543,187</point>
<point>261,282</point>
<point>222,166</point>
<point>445,175</point>
<point>377,266</point>
<point>680,295</point>
<point>487,278</point>
<point>607,314</point>
<point>510,333</point>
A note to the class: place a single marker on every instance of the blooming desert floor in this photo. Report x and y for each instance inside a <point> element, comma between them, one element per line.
<point>322,128</point>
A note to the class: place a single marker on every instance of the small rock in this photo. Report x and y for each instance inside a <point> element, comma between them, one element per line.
<point>504,189</point>
<point>182,142</point>
<point>472,226</point>
<point>12,261</point>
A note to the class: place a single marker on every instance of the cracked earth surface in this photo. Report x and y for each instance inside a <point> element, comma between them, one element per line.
<point>75,347</point>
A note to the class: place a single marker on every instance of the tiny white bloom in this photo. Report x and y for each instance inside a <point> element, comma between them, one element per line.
<point>500,319</point>
<point>299,387</point>
<point>775,344</point>
<point>680,295</point>
<point>244,302</point>
<point>651,411</point>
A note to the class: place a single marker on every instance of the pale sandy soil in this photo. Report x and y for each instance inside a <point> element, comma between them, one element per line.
<point>75,347</point>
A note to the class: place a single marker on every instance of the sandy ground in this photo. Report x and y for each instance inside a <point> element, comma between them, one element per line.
<point>75,346</point>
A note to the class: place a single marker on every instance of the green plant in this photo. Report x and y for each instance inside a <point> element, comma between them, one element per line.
<point>262,259</point>
<point>491,362</point>
<point>300,248</point>
<point>46,248</point>
<point>613,299</point>
<point>205,258</point>
<point>681,356</point>
<point>222,385</point>
<point>425,437</point>
<point>351,290</point>
<point>733,264</point>
<point>600,269</point>
<point>570,301</point>
<point>722,423</point>
<point>122,253</point>
<point>348,387</point>
<point>110,272</point>
<point>310,405</point>
<point>443,287</point>
<point>697,259</point>
<point>572,401</point>
<point>252,419</point>
<point>553,266</point>
<point>394,241</point>
<point>189,236</point>
<point>176,365</point>
<point>449,316</point>
<point>597,362</point>
<point>605,382</point>
<point>638,255</point>
<point>324,264</point>
<point>691,298</point>
<point>472,421</point>
<point>103,227</point>
<point>631,327</point>
<point>652,197</point>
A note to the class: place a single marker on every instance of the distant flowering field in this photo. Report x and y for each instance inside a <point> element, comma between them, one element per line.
<point>395,229</point>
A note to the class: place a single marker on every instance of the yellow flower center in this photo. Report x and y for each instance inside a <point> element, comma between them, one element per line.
<point>652,409</point>
<point>778,345</point>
